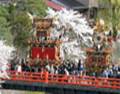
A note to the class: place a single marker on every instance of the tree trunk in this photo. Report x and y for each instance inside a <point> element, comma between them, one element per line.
<point>115,32</point>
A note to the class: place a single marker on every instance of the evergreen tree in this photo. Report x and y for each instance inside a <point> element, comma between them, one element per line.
<point>34,7</point>
<point>20,22</point>
<point>5,33</point>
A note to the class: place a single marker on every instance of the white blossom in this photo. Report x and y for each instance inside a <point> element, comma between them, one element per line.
<point>5,56</point>
<point>73,30</point>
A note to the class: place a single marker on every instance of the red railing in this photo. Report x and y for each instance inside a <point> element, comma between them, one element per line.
<point>45,77</point>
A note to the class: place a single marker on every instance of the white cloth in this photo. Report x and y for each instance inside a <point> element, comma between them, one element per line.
<point>19,68</point>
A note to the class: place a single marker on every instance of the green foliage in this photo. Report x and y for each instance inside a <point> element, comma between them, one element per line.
<point>111,13</point>
<point>35,7</point>
<point>4,25</point>
<point>115,2</point>
<point>15,24</point>
<point>3,11</point>
<point>21,27</point>
<point>20,22</point>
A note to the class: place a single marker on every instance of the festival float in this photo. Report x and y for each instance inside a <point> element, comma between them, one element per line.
<point>66,36</point>
<point>42,46</point>
<point>59,38</point>
<point>99,56</point>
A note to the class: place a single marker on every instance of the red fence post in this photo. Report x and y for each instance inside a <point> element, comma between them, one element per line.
<point>97,82</point>
<point>46,77</point>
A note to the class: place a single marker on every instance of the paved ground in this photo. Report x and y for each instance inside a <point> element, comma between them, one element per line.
<point>2,91</point>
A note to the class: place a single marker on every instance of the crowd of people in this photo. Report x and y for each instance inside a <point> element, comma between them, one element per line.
<point>65,67</point>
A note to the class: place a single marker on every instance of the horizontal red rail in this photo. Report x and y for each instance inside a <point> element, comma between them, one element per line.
<point>54,5</point>
<point>45,77</point>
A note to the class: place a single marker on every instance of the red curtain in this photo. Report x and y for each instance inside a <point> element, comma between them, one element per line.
<point>50,52</point>
<point>43,54</point>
